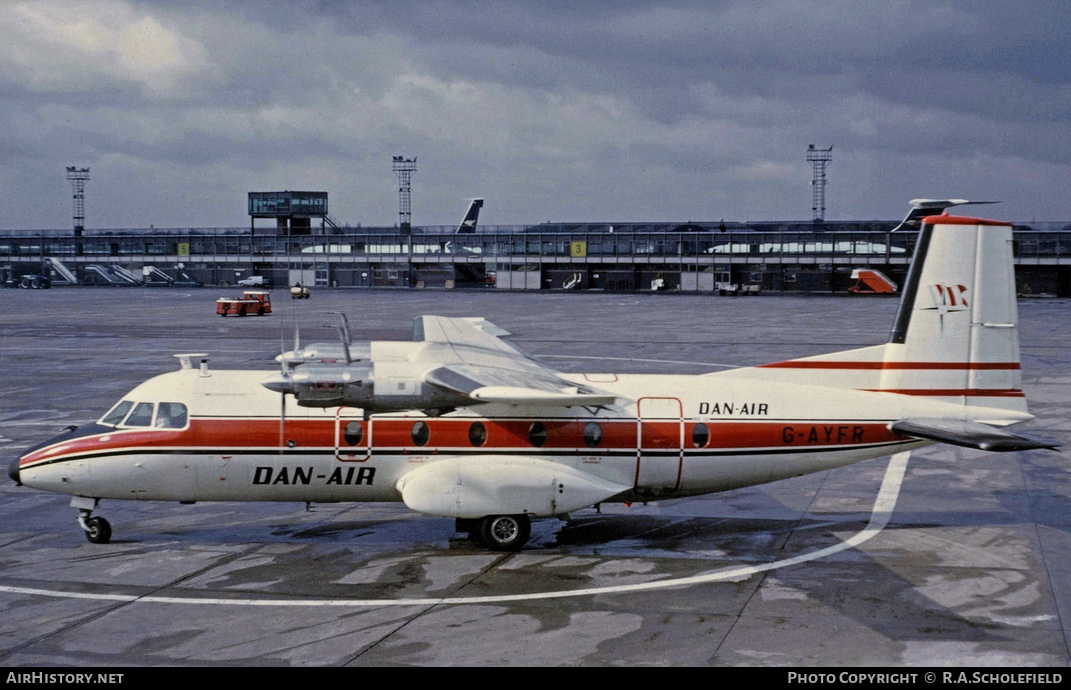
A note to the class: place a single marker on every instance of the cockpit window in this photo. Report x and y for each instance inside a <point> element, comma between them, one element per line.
<point>117,413</point>
<point>141,416</point>
<point>171,416</point>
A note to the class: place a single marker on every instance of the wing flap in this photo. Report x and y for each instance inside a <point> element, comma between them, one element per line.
<point>969,434</point>
<point>513,395</point>
<point>527,384</point>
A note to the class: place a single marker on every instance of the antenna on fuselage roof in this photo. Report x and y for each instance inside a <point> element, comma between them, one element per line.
<point>286,373</point>
<point>186,359</point>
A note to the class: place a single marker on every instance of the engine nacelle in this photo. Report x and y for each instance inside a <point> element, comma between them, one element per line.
<point>326,353</point>
<point>375,387</point>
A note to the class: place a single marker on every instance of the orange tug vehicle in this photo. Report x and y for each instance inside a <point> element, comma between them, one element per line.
<point>251,302</point>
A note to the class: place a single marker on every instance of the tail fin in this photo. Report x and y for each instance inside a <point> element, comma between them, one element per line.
<point>957,331</point>
<point>468,223</point>
<point>956,335</point>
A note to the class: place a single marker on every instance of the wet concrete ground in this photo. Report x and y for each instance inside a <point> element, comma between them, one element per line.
<point>973,568</point>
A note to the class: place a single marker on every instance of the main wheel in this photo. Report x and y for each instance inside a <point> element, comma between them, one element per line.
<point>99,532</point>
<point>505,532</point>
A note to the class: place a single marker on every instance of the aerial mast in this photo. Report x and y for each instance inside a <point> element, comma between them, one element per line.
<point>819,159</point>
<point>78,178</point>
<point>404,169</point>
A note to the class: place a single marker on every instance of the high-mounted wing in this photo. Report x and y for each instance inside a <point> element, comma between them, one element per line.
<point>521,385</point>
<point>453,362</point>
<point>488,370</point>
<point>463,332</point>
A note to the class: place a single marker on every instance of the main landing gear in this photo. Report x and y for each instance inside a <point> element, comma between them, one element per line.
<point>497,532</point>
<point>97,529</point>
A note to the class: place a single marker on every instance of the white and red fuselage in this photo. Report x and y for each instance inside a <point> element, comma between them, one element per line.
<point>685,435</point>
<point>490,433</point>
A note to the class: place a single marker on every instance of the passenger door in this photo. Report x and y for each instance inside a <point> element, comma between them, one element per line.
<point>659,445</point>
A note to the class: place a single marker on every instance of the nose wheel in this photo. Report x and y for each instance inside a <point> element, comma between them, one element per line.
<point>97,529</point>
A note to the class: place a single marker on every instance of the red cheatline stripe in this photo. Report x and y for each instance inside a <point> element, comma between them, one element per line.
<point>955,392</point>
<point>961,220</point>
<point>875,366</point>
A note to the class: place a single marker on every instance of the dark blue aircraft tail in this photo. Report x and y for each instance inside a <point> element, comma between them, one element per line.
<point>468,223</point>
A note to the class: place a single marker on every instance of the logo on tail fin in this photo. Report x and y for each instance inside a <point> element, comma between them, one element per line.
<point>948,298</point>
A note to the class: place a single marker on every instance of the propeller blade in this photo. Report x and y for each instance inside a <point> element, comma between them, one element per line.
<point>344,336</point>
<point>345,327</point>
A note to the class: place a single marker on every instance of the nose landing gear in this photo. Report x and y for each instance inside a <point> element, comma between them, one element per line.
<point>97,529</point>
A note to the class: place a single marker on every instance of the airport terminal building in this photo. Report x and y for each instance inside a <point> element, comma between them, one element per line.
<point>308,248</point>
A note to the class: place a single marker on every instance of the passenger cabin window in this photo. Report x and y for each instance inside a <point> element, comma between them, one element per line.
<point>117,413</point>
<point>537,434</point>
<point>420,434</point>
<point>592,434</point>
<point>477,434</point>
<point>353,433</point>
<point>141,416</point>
<point>700,436</point>
<point>171,416</point>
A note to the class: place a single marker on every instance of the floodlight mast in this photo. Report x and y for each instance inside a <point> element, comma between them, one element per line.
<point>819,159</point>
<point>404,168</point>
<point>78,178</point>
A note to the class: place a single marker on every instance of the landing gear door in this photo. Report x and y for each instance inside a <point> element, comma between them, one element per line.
<point>353,438</point>
<point>659,445</point>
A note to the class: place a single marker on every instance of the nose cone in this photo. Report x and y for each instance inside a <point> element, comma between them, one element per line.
<point>13,471</point>
<point>280,383</point>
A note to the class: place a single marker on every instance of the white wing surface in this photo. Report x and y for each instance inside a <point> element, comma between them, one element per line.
<point>475,363</point>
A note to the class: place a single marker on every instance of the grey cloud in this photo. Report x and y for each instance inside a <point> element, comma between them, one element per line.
<point>555,109</point>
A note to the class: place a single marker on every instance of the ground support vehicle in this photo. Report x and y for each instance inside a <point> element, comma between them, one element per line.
<point>251,302</point>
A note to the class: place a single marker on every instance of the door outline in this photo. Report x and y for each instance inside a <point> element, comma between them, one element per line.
<point>352,453</point>
<point>651,457</point>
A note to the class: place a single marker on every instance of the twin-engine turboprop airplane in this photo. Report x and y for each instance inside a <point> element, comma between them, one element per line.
<point>458,423</point>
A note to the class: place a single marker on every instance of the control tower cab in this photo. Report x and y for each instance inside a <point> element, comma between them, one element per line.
<point>293,211</point>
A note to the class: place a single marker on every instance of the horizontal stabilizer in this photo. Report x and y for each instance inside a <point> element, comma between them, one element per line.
<point>969,435</point>
<point>920,208</point>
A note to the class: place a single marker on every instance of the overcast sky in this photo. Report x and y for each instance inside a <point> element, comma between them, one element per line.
<point>562,111</point>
